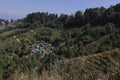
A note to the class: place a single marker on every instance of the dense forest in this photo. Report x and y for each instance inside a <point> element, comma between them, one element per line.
<point>86,46</point>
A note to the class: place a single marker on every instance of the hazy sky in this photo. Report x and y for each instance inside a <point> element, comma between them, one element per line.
<point>19,8</point>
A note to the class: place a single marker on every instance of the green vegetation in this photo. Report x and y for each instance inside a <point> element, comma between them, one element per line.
<point>86,46</point>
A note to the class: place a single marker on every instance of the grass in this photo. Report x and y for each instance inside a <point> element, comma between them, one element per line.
<point>27,36</point>
<point>7,33</point>
<point>102,66</point>
<point>55,34</point>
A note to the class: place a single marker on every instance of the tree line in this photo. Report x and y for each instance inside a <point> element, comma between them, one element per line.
<point>93,16</point>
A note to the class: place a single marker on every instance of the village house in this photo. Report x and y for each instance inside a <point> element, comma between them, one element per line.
<point>2,23</point>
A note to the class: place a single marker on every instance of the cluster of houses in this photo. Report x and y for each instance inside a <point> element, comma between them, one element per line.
<point>2,23</point>
<point>41,47</point>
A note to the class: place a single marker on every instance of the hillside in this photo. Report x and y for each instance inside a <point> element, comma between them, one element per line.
<point>47,46</point>
<point>101,66</point>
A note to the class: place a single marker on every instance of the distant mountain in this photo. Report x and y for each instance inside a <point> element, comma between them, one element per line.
<point>10,16</point>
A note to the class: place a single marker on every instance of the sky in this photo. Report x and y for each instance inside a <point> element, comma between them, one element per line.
<point>14,9</point>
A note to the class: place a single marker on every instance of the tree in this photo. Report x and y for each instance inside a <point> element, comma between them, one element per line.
<point>110,27</point>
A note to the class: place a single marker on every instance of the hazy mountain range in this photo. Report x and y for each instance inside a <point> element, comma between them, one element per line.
<point>11,15</point>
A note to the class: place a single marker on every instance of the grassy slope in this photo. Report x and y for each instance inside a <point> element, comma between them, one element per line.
<point>101,66</point>
<point>55,34</point>
<point>7,41</point>
<point>104,66</point>
<point>26,36</point>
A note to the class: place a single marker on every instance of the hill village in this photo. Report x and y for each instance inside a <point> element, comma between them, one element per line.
<point>41,47</point>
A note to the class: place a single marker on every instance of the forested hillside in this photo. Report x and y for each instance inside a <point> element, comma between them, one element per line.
<point>47,46</point>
